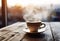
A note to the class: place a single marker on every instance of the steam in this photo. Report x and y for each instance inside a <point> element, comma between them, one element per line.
<point>33,13</point>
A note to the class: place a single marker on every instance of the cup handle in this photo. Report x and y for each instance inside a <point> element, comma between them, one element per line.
<point>43,25</point>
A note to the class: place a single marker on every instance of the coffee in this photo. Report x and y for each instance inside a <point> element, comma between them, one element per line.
<point>33,26</point>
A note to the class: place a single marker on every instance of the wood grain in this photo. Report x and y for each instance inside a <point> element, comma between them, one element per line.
<point>56,30</point>
<point>15,32</point>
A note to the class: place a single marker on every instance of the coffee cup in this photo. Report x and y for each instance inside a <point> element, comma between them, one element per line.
<point>34,26</point>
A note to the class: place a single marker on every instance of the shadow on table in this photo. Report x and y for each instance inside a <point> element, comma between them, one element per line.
<point>35,37</point>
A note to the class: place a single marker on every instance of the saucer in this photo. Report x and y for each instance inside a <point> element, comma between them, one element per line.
<point>39,30</point>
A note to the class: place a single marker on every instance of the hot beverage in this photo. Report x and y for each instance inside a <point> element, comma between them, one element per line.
<point>33,26</point>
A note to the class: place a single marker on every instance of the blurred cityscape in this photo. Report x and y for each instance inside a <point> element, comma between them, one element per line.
<point>15,13</point>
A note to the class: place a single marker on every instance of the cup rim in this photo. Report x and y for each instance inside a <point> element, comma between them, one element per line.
<point>32,22</point>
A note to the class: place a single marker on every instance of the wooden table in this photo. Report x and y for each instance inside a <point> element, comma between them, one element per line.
<point>15,32</point>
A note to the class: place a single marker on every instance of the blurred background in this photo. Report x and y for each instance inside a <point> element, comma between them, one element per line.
<point>15,10</point>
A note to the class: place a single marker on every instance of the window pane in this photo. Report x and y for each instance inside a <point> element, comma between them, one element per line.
<point>16,9</point>
<point>15,12</point>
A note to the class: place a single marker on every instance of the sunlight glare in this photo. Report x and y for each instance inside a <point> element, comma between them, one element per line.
<point>0,2</point>
<point>36,2</point>
<point>18,2</point>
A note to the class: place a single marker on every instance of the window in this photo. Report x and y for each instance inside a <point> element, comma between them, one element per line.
<point>15,9</point>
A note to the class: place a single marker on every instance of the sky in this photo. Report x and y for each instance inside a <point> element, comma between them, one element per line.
<point>26,2</point>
